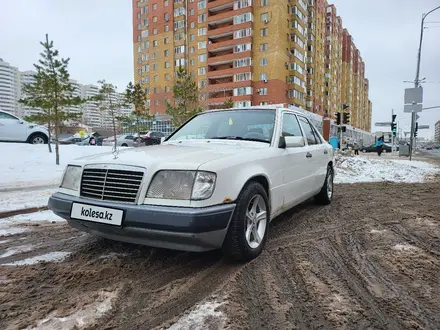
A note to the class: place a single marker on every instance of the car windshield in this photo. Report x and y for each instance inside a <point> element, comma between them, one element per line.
<point>250,125</point>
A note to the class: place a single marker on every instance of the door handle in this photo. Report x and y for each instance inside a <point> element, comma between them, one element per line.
<point>325,152</point>
<point>309,155</point>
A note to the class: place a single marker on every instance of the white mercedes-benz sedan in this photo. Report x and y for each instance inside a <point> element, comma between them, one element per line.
<point>216,182</point>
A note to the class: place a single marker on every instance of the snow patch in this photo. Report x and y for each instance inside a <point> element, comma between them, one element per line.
<point>41,216</point>
<point>376,231</point>
<point>405,247</point>
<point>17,249</point>
<point>6,231</point>
<point>199,316</point>
<point>362,169</point>
<point>28,165</point>
<point>48,257</point>
<point>17,200</point>
<point>81,318</point>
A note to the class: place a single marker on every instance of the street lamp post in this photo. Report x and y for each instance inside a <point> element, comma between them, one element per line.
<point>417,80</point>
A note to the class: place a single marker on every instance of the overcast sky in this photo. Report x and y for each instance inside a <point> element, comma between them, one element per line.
<point>97,36</point>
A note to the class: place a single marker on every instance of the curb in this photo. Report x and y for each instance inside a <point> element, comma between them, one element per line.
<point>8,214</point>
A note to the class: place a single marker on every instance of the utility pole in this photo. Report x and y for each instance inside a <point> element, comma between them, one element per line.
<point>417,80</point>
<point>392,131</point>
<point>340,126</point>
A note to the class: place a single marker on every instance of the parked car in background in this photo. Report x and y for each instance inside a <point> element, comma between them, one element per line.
<point>86,141</point>
<point>15,129</point>
<point>71,140</point>
<point>216,182</point>
<point>149,139</point>
<point>124,140</point>
<point>385,148</point>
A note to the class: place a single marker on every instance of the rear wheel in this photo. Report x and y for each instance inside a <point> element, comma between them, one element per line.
<point>325,196</point>
<point>37,139</point>
<point>247,232</point>
<point>124,145</point>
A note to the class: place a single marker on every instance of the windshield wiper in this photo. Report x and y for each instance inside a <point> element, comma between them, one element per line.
<point>239,138</point>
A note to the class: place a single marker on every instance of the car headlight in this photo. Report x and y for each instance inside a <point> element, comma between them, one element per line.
<point>183,185</point>
<point>71,178</point>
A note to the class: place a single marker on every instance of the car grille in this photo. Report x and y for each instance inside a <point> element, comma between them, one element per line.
<point>111,184</point>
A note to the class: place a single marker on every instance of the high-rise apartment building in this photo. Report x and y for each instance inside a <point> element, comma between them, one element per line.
<point>437,131</point>
<point>253,51</point>
<point>11,90</point>
<point>9,87</point>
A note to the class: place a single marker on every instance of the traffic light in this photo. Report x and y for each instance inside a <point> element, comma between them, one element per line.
<point>343,128</point>
<point>344,106</point>
<point>338,118</point>
<point>394,129</point>
<point>346,118</point>
<point>416,129</point>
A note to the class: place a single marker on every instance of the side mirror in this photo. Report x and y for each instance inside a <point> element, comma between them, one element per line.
<point>21,121</point>
<point>162,139</point>
<point>294,141</point>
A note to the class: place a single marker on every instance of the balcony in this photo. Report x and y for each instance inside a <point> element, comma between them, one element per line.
<point>226,15</point>
<point>224,43</point>
<point>217,30</point>
<point>219,85</point>
<point>225,70</point>
<point>226,57</point>
<point>220,5</point>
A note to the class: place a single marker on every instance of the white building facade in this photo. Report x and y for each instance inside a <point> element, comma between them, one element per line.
<point>11,90</point>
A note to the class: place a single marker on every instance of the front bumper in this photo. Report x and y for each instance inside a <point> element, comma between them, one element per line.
<point>178,228</point>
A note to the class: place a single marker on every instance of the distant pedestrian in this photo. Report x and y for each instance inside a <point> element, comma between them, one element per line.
<point>92,141</point>
<point>356,148</point>
<point>379,146</point>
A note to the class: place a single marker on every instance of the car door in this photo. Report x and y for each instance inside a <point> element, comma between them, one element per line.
<point>12,128</point>
<point>297,173</point>
<point>316,152</point>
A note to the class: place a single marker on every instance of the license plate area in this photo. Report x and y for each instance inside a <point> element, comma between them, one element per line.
<point>98,214</point>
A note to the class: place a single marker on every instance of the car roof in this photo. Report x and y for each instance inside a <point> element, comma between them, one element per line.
<point>261,107</point>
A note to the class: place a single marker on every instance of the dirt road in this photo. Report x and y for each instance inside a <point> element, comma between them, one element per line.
<point>371,260</point>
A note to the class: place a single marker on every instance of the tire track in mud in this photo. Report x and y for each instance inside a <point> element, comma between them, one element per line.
<point>323,268</point>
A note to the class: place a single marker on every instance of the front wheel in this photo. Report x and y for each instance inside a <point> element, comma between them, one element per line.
<point>325,196</point>
<point>247,232</point>
<point>38,139</point>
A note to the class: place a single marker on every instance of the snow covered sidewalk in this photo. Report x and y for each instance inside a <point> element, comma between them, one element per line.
<point>25,165</point>
<point>367,169</point>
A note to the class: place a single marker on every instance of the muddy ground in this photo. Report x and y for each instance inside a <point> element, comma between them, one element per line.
<point>370,260</point>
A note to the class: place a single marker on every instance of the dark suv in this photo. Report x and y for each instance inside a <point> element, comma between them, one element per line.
<point>149,139</point>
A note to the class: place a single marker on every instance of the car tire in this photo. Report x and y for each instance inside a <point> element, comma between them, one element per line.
<point>325,196</point>
<point>247,232</point>
<point>37,139</point>
<point>124,145</point>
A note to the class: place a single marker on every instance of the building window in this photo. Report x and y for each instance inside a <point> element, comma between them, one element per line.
<point>263,76</point>
<point>242,91</point>
<point>155,55</point>
<point>155,67</point>
<point>154,31</point>
<point>165,41</point>
<point>167,77</point>
<point>264,17</point>
<point>247,61</point>
<point>165,17</point>
<point>167,89</point>
<point>263,61</point>
<point>154,19</point>
<point>165,53</point>
<point>263,91</point>
<point>191,12</point>
<point>202,71</point>
<point>202,18</point>
<point>243,18</point>
<point>264,3</point>
<point>201,32</point>
<point>201,44</point>
<point>201,4</point>
<point>167,65</point>
<point>242,48</point>
<point>264,32</point>
<point>192,62</point>
<point>144,33</point>
<point>242,76</point>
<point>192,37</point>
<point>154,6</point>
<point>192,50</point>
<point>165,3</point>
<point>202,84</point>
<point>202,58</point>
<point>243,33</point>
<point>155,43</point>
<point>179,11</point>
<point>167,28</point>
<point>264,47</point>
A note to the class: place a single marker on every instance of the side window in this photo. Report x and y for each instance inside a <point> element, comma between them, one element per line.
<point>4,115</point>
<point>290,125</point>
<point>308,130</point>
<point>129,137</point>
<point>318,139</point>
